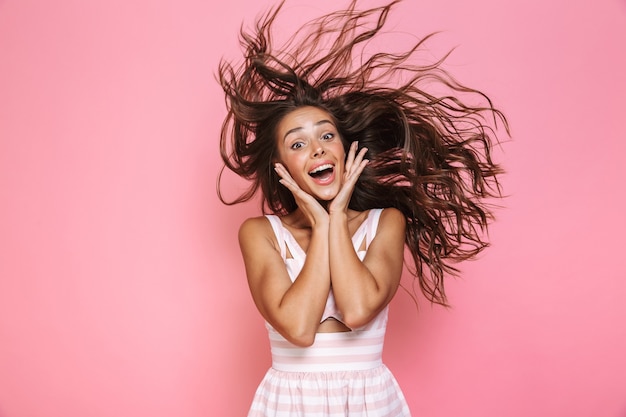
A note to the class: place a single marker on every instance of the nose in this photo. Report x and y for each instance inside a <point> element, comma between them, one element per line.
<point>318,149</point>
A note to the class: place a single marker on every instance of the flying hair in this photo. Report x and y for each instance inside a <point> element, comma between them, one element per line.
<point>430,152</point>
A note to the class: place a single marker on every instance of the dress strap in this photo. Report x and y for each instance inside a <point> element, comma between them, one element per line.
<point>278,232</point>
<point>367,230</point>
<point>372,226</point>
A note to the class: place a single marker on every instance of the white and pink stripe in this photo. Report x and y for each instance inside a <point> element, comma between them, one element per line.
<point>344,351</point>
<point>369,393</point>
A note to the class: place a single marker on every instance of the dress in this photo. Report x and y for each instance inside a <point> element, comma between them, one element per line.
<point>342,373</point>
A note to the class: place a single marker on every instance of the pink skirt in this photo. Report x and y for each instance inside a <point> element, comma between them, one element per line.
<point>369,393</point>
<point>341,375</point>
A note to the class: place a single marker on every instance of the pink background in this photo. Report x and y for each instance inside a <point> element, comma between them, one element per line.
<point>121,286</point>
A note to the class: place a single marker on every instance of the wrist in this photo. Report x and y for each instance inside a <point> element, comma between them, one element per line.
<point>321,224</point>
<point>340,216</point>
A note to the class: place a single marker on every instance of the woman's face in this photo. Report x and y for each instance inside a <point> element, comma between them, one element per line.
<point>310,148</point>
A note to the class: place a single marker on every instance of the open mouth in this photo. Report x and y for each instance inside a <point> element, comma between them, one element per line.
<point>322,172</point>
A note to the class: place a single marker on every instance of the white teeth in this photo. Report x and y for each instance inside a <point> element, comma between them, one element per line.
<point>321,168</point>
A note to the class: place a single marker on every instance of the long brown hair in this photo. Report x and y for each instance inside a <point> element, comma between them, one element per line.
<point>430,153</point>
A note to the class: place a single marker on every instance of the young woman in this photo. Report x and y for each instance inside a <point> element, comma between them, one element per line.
<point>355,161</point>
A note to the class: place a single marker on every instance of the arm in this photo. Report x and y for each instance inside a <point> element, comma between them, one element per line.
<point>293,309</point>
<point>363,289</point>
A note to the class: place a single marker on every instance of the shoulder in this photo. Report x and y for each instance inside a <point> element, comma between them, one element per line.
<point>392,216</point>
<point>391,224</point>
<point>254,226</point>
<point>257,232</point>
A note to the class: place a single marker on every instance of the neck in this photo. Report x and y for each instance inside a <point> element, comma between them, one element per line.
<point>299,220</point>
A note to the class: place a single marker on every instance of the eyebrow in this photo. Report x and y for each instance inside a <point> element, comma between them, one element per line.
<point>296,129</point>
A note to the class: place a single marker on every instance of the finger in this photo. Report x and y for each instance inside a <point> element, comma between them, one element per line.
<point>360,156</point>
<point>356,172</point>
<point>350,157</point>
<point>356,163</point>
<point>281,170</point>
<point>283,173</point>
<point>291,184</point>
<point>285,178</point>
<point>350,182</point>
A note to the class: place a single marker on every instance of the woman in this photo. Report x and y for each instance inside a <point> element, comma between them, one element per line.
<point>354,162</point>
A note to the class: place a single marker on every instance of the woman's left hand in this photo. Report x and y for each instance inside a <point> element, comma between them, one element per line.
<point>355,163</point>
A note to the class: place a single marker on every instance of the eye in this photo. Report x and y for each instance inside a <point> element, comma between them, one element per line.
<point>328,136</point>
<point>297,145</point>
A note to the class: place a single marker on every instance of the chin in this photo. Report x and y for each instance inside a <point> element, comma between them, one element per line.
<point>325,193</point>
<point>326,198</point>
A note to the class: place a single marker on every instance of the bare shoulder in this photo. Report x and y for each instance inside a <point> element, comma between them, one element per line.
<point>254,224</point>
<point>256,233</point>
<point>385,255</point>
<point>392,217</point>
<point>390,233</point>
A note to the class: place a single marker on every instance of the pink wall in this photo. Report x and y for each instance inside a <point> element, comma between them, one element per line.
<point>121,288</point>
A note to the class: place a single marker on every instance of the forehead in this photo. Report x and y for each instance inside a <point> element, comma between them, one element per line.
<point>303,117</point>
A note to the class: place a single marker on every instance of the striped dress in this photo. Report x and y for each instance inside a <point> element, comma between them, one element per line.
<point>342,373</point>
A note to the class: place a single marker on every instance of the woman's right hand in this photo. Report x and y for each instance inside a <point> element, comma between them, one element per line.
<point>306,203</point>
<point>355,163</point>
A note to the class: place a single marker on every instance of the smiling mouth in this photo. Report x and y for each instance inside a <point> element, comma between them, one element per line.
<point>322,172</point>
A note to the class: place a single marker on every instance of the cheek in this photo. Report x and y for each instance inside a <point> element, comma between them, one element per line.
<point>292,164</point>
<point>341,154</point>
<point>340,151</point>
